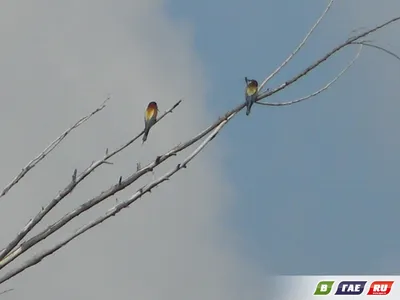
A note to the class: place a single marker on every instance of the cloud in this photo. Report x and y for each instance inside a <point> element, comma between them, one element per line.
<point>58,61</point>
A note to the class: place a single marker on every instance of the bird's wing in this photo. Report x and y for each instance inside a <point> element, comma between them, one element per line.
<point>150,113</point>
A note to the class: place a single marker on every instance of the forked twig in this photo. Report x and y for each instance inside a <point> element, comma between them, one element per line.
<point>323,59</point>
<point>320,90</point>
<point>361,43</point>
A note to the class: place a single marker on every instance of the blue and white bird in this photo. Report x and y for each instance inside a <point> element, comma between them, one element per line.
<point>251,93</point>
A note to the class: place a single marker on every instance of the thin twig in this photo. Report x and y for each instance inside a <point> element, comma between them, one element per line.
<point>6,291</point>
<point>115,209</point>
<point>298,47</point>
<point>67,190</point>
<point>320,90</point>
<point>365,43</point>
<point>50,148</point>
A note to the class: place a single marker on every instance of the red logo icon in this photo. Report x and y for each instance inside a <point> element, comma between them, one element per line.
<point>380,288</point>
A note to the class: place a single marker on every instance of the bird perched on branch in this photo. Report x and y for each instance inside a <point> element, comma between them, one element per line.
<point>251,93</point>
<point>150,117</point>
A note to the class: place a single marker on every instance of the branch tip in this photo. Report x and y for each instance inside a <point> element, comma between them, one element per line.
<point>74,175</point>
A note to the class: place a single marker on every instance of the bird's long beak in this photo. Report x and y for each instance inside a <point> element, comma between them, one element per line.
<point>245,79</point>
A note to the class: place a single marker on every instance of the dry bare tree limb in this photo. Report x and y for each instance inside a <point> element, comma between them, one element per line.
<point>368,44</point>
<point>298,47</point>
<point>117,208</point>
<point>50,148</point>
<point>67,190</point>
<point>320,90</point>
<point>122,184</point>
<point>324,58</point>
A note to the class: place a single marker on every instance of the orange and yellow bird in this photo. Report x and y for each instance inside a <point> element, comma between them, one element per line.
<point>150,117</point>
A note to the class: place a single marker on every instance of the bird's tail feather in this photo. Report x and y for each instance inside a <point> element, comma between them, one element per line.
<point>146,132</point>
<point>248,109</point>
<point>144,137</point>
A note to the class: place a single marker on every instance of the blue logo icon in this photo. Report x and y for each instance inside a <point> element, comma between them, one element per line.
<point>350,288</point>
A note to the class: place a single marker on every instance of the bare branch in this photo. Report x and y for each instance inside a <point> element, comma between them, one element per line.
<point>320,90</point>
<point>67,190</point>
<point>50,148</point>
<point>298,47</point>
<point>117,208</point>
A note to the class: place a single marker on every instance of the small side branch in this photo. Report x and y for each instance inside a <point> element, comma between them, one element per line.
<point>298,47</point>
